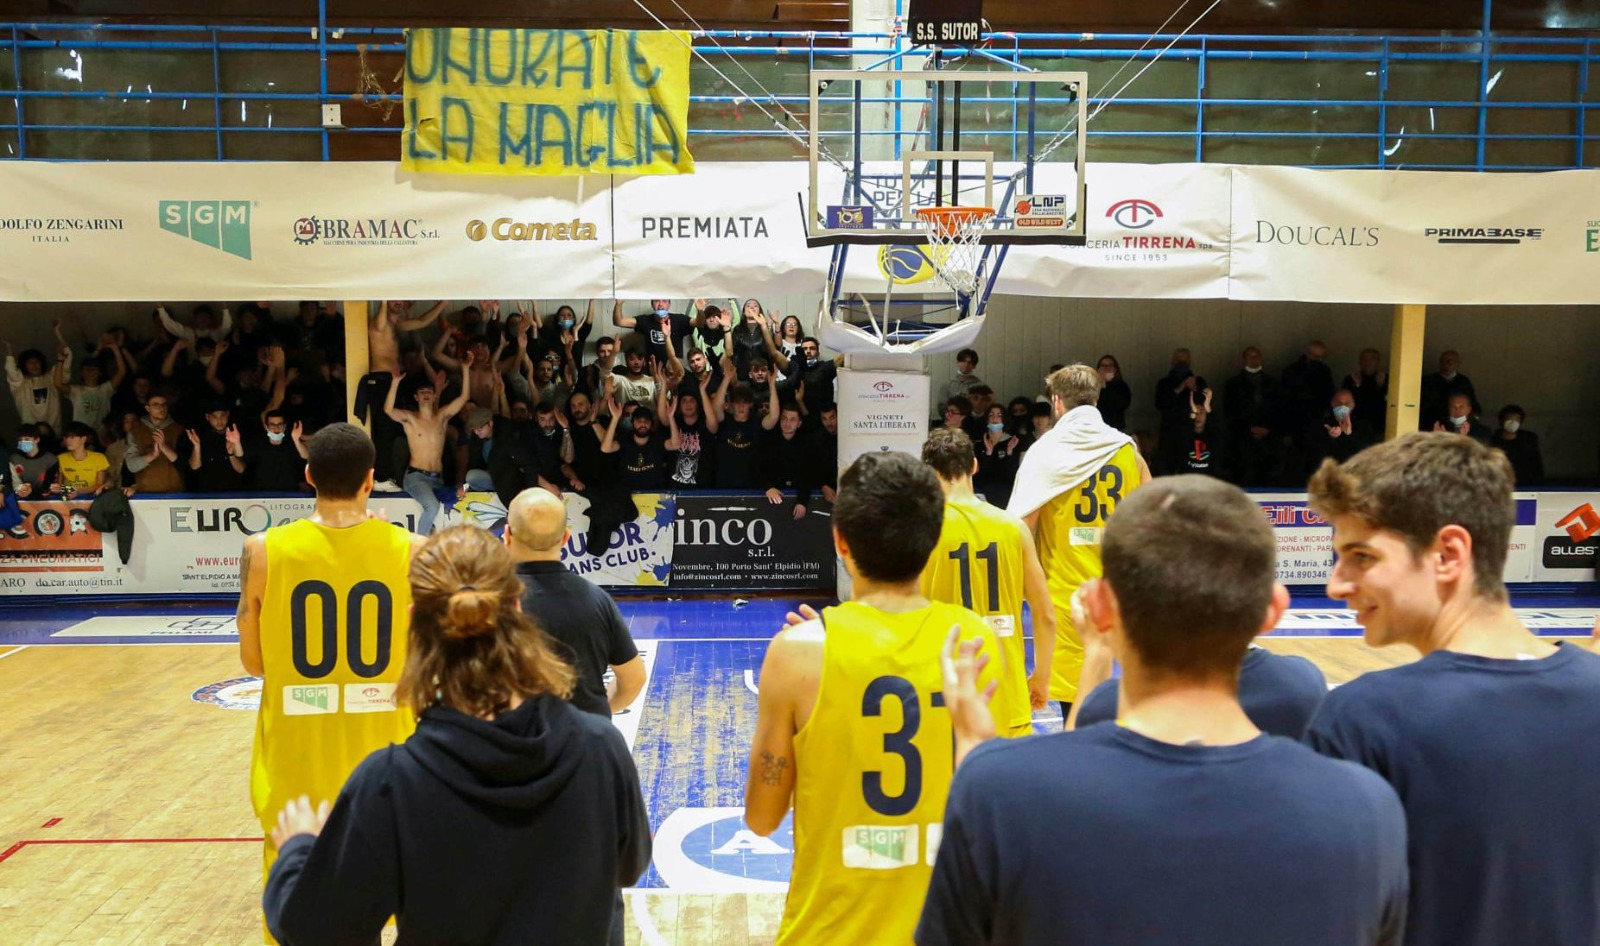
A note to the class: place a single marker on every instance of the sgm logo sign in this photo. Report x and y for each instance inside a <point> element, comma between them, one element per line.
<point>1591,237</point>
<point>220,224</point>
<point>1134,213</point>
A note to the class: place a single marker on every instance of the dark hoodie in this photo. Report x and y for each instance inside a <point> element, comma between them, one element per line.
<point>519,830</point>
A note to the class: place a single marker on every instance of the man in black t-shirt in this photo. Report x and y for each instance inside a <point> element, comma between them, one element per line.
<point>826,439</point>
<point>660,328</point>
<point>814,379</point>
<point>216,455</point>
<point>1188,823</point>
<point>642,462</point>
<point>275,461</point>
<point>577,614</point>
<point>1490,735</point>
<point>739,430</point>
<point>691,465</point>
<point>788,461</point>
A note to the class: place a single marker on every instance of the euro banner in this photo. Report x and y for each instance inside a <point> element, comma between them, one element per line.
<point>554,102</point>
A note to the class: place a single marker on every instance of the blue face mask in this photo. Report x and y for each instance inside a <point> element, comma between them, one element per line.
<point>1341,412</point>
<point>996,428</point>
<point>564,323</point>
<point>25,446</point>
<point>275,436</point>
<point>662,313</point>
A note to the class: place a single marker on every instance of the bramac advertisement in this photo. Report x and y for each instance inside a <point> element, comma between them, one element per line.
<point>1305,539</point>
<point>1413,236</point>
<point>288,231</point>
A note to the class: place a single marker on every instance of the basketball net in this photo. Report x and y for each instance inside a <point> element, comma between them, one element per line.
<point>955,244</point>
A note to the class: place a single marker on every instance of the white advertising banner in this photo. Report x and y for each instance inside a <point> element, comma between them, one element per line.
<point>1415,236</point>
<point>1153,231</point>
<point>881,410</point>
<point>1305,539</point>
<point>191,545</point>
<point>725,230</point>
<point>91,232</point>
<point>191,231</point>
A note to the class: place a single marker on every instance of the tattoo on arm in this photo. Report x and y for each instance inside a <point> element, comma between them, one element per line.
<point>772,768</point>
<point>244,582</point>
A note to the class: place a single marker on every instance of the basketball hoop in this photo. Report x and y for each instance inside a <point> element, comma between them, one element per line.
<point>954,235</point>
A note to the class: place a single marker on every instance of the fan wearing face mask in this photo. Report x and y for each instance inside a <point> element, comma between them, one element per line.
<point>1439,387</point>
<point>1521,447</point>
<point>658,328</point>
<point>1461,417</point>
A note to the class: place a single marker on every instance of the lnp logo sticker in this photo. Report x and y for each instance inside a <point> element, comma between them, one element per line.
<point>1042,210</point>
<point>310,700</point>
<point>1003,625</point>
<point>220,224</point>
<point>369,697</point>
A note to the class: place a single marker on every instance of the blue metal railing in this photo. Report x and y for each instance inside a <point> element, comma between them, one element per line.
<point>32,132</point>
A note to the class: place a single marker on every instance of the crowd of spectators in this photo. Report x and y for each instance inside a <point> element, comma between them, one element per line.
<point>721,396</point>
<point>1260,429</point>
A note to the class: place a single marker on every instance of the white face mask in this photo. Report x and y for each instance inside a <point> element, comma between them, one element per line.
<point>1250,370</point>
<point>1512,426</point>
<point>1457,421</point>
<point>205,360</point>
<point>275,436</point>
<point>1448,375</point>
<point>1341,412</point>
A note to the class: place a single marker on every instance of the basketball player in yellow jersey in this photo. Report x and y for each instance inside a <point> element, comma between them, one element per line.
<point>1068,485</point>
<point>851,725</point>
<point>985,560</point>
<point>324,613</point>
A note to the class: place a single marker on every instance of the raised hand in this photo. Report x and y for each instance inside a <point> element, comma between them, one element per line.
<point>194,437</point>
<point>231,437</point>
<point>297,431</point>
<point>961,664</point>
<point>468,361</point>
<point>222,347</point>
<point>700,305</point>
<point>491,308</point>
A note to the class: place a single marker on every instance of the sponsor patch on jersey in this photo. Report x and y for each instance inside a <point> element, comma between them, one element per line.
<point>1003,625</point>
<point>368,697</point>
<point>880,847</point>
<point>935,835</point>
<point>310,700</point>
<point>1083,535</point>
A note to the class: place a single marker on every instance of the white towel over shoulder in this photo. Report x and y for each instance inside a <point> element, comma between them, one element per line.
<point>1078,445</point>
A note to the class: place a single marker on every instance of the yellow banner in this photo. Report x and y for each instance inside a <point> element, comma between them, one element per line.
<point>485,101</point>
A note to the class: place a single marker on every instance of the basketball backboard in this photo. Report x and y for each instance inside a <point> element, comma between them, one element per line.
<point>884,143</point>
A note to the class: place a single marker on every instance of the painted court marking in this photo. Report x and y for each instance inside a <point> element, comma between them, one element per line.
<point>152,627</point>
<point>13,652</point>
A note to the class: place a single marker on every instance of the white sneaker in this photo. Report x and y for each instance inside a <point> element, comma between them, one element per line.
<point>386,486</point>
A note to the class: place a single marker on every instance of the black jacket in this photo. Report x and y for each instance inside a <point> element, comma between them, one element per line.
<point>467,833</point>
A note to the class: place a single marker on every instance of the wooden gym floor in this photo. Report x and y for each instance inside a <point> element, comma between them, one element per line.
<point>125,815</point>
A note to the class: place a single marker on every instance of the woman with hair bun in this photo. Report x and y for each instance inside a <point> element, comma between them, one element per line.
<point>508,817</point>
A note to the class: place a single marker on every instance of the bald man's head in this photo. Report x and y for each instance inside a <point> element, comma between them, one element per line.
<point>536,521</point>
